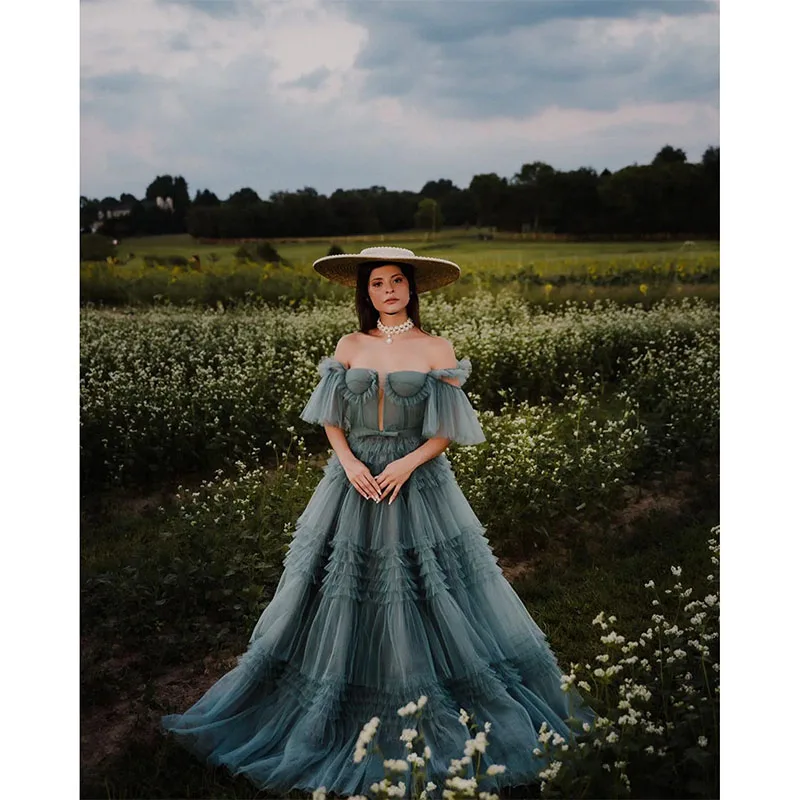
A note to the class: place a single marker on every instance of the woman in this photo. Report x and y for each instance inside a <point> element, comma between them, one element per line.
<point>390,589</point>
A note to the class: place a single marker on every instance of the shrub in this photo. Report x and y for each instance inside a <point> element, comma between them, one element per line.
<point>96,247</point>
<point>258,251</point>
<point>657,696</point>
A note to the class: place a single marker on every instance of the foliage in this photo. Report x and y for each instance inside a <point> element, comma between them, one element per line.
<point>257,271</point>
<point>429,215</point>
<point>563,397</point>
<point>245,520</point>
<point>546,464</point>
<point>669,196</point>
<point>96,247</point>
<point>262,252</point>
<point>657,732</point>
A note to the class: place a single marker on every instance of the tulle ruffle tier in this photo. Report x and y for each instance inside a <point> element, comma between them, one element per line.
<point>376,606</point>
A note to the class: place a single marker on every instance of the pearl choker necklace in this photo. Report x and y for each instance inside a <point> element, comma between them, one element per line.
<point>392,330</point>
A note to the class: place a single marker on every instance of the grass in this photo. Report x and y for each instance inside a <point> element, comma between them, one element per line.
<point>461,246</point>
<point>127,684</point>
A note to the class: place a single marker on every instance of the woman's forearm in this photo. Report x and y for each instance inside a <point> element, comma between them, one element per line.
<point>338,440</point>
<point>425,452</point>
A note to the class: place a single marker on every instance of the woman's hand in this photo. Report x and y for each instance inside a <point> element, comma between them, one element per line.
<point>359,475</point>
<point>394,476</point>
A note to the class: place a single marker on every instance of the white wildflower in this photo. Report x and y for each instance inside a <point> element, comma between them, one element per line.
<point>395,764</point>
<point>702,741</point>
<point>551,771</point>
<point>495,769</point>
<point>462,784</point>
<point>319,794</point>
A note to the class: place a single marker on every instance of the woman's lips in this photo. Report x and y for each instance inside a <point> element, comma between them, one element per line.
<point>393,300</point>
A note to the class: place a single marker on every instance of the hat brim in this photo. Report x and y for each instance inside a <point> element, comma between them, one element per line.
<point>429,273</point>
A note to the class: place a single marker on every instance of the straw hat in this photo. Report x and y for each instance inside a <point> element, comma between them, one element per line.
<point>430,273</point>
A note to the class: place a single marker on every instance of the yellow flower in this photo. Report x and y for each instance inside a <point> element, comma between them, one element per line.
<point>643,288</point>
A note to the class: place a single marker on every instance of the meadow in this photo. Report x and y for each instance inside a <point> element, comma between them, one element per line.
<point>178,270</point>
<point>600,472</point>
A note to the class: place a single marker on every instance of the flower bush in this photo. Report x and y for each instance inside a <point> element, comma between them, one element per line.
<point>165,390</point>
<point>657,697</point>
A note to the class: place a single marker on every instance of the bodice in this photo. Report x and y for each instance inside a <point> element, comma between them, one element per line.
<point>406,403</point>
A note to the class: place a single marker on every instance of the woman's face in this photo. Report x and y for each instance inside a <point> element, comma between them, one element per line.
<point>389,289</point>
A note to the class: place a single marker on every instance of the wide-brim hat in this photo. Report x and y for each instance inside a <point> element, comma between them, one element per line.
<point>429,273</point>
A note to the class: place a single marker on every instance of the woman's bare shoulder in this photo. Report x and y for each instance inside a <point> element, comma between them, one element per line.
<point>441,353</point>
<point>346,348</point>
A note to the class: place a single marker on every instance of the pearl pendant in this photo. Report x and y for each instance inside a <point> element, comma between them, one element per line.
<point>389,340</point>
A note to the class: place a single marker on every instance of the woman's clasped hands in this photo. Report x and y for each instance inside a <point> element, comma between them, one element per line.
<point>378,487</point>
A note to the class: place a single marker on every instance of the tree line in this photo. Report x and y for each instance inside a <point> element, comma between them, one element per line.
<point>669,196</point>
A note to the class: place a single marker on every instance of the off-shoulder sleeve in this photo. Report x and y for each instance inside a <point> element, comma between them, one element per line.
<point>448,411</point>
<point>326,406</point>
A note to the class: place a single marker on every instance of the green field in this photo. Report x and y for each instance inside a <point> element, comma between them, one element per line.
<point>600,471</point>
<point>462,247</point>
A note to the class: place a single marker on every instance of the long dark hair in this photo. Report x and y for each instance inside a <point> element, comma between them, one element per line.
<point>367,313</point>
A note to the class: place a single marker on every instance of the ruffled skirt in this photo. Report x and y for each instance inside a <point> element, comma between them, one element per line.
<point>377,605</point>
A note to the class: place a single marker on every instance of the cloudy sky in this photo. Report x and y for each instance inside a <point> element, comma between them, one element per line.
<point>282,94</point>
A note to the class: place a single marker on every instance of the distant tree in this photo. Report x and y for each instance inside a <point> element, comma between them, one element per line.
<point>205,198</point>
<point>166,186</point>
<point>244,197</point>
<point>711,157</point>
<point>489,191</point>
<point>536,185</point>
<point>88,212</point>
<point>670,155</point>
<point>429,215</point>
<point>438,189</point>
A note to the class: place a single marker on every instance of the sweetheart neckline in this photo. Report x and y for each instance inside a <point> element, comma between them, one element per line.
<point>393,372</point>
<point>377,372</point>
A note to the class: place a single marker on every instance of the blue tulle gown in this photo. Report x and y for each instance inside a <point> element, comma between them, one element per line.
<point>377,605</point>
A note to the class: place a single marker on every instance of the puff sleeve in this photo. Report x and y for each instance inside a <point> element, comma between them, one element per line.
<point>327,406</point>
<point>448,411</point>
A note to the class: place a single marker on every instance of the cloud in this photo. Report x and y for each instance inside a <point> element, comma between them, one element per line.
<point>279,95</point>
<point>570,55</point>
<point>311,80</point>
